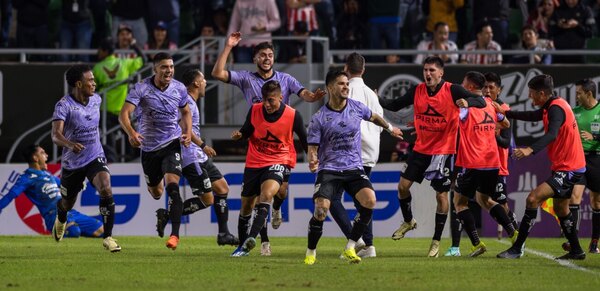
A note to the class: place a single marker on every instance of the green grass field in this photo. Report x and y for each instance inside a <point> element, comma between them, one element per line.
<point>38,263</point>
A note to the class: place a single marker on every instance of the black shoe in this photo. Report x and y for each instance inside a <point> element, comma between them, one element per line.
<point>571,256</point>
<point>162,218</point>
<point>227,239</point>
<point>509,254</point>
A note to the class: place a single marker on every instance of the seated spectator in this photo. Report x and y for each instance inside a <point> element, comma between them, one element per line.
<point>570,27</point>
<point>440,41</point>
<point>483,41</point>
<point>125,40</point>
<point>539,18</point>
<point>159,40</point>
<point>302,11</point>
<point>530,41</point>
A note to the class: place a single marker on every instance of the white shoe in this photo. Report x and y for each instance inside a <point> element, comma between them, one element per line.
<point>276,218</point>
<point>368,252</point>
<point>110,244</point>
<point>58,230</point>
<point>265,249</point>
<point>404,228</point>
<point>434,249</point>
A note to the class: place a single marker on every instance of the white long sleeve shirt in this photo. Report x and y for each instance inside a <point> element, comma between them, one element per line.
<point>370,133</point>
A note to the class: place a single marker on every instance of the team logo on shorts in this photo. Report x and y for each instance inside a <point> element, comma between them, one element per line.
<point>317,187</point>
<point>207,184</point>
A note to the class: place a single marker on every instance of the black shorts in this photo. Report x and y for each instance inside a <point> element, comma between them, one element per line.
<point>562,183</point>
<point>332,183</point>
<point>472,180</point>
<point>211,170</point>
<point>72,181</point>
<point>500,192</point>
<point>287,174</point>
<point>591,179</point>
<point>166,160</point>
<point>254,177</point>
<point>418,164</point>
<point>198,179</point>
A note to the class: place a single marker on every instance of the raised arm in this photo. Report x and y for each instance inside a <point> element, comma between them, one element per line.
<point>219,71</point>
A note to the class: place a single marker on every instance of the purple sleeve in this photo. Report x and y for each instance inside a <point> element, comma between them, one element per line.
<point>237,77</point>
<point>500,117</point>
<point>314,131</point>
<point>184,100</point>
<point>134,95</point>
<point>60,111</point>
<point>365,112</point>
<point>294,85</point>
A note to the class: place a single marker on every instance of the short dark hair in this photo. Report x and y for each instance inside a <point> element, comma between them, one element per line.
<point>355,63</point>
<point>270,87</point>
<point>587,85</point>
<point>476,78</point>
<point>29,151</point>
<point>261,46</point>
<point>161,56</point>
<point>542,83</point>
<point>529,27</point>
<point>479,27</point>
<point>438,24</point>
<point>75,73</point>
<point>189,76</point>
<point>333,75</point>
<point>493,78</point>
<point>434,60</point>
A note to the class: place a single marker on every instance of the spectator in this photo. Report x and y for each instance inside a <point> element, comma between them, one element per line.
<point>32,24</point>
<point>440,41</point>
<point>385,21</point>
<point>129,13</point>
<point>495,13</point>
<point>166,11</point>
<point>76,28</point>
<point>570,27</point>
<point>5,17</point>
<point>530,41</point>
<point>540,16</point>
<point>160,40</point>
<point>483,41</point>
<point>207,29</point>
<point>352,31</point>
<point>255,19</point>
<point>302,11</point>
<point>442,11</point>
<point>125,40</point>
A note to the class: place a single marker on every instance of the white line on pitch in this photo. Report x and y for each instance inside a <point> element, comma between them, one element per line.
<point>565,263</point>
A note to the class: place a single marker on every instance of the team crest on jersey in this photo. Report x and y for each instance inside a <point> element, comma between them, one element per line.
<point>431,111</point>
<point>271,138</point>
<point>342,124</point>
<point>487,119</point>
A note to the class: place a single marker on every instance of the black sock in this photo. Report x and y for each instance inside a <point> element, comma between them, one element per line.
<point>107,210</point>
<point>440,222</point>
<point>526,225</point>
<point>340,215</point>
<point>262,211</point>
<point>243,226</point>
<point>61,213</point>
<point>574,208</point>
<point>406,210</point>
<point>175,207</point>
<point>315,230</point>
<point>192,205</point>
<point>498,213</point>
<point>368,234</point>
<point>222,212</point>
<point>567,224</point>
<point>595,223</point>
<point>513,219</point>
<point>455,226</point>
<point>277,202</point>
<point>468,222</point>
<point>361,224</point>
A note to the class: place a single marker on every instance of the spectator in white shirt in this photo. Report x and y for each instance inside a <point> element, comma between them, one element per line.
<point>483,41</point>
<point>440,42</point>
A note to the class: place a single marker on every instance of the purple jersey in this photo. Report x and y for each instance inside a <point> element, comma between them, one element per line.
<point>193,153</point>
<point>251,84</point>
<point>81,126</point>
<point>337,133</point>
<point>158,110</point>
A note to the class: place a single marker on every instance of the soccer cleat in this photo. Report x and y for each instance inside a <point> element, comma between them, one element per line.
<point>276,218</point>
<point>172,242</point>
<point>477,250</point>
<point>162,218</point>
<point>239,252</point>
<point>566,246</point>
<point>58,230</point>
<point>510,254</point>
<point>249,244</point>
<point>110,244</point>
<point>227,239</point>
<point>452,252</point>
<point>350,255</point>
<point>593,248</point>
<point>404,228</point>
<point>434,249</point>
<point>368,252</point>
<point>265,249</point>
<point>310,260</point>
<point>571,256</point>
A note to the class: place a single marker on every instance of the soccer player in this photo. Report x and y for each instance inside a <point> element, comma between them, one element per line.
<point>588,121</point>
<point>480,164</point>
<point>160,100</point>
<point>43,189</point>
<point>269,128</point>
<point>436,109</point>
<point>370,138</point>
<point>334,152</point>
<point>251,83</point>
<point>567,160</point>
<point>75,129</point>
<point>198,169</point>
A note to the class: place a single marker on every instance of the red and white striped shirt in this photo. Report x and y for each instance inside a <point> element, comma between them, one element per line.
<point>482,59</point>
<point>305,14</point>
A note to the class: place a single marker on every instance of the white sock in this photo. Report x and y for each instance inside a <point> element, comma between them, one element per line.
<point>360,241</point>
<point>351,244</point>
<point>310,252</point>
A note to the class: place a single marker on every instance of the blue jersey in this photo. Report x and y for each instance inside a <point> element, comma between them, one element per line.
<point>41,187</point>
